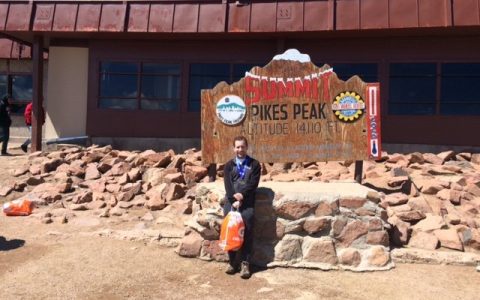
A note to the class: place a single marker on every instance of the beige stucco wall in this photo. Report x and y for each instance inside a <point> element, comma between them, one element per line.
<point>66,99</point>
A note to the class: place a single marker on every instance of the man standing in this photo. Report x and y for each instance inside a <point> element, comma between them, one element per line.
<point>28,121</point>
<point>241,178</point>
<point>5,123</point>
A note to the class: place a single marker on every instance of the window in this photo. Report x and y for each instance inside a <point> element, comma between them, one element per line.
<point>3,85</point>
<point>412,89</point>
<point>459,89</point>
<point>148,86</point>
<point>22,88</point>
<point>206,76</point>
<point>240,69</point>
<point>16,80</point>
<point>160,87</point>
<point>367,72</point>
<point>119,85</point>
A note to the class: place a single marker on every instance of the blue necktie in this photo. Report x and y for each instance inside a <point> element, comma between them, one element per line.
<point>241,167</point>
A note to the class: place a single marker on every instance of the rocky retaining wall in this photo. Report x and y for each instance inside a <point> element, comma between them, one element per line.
<point>299,224</point>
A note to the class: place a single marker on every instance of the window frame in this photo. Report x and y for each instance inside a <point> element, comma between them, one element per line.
<point>10,83</point>
<point>440,90</point>
<point>332,65</point>
<point>231,65</point>
<point>184,79</point>
<point>438,87</point>
<point>9,73</point>
<point>388,77</point>
<point>139,80</point>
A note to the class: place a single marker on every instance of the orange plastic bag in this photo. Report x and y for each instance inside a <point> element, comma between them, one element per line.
<point>231,233</point>
<point>19,207</point>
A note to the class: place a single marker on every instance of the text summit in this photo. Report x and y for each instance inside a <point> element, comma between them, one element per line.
<point>266,90</point>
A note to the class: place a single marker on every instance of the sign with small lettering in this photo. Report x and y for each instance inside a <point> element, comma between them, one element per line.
<point>292,111</point>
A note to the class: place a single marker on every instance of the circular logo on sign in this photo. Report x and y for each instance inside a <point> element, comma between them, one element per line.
<point>348,106</point>
<point>231,110</point>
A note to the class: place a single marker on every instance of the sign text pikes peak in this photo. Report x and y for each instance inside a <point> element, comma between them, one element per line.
<point>293,111</point>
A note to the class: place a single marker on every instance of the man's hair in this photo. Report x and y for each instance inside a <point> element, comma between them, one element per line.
<point>240,138</point>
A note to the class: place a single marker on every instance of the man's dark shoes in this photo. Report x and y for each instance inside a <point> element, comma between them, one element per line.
<point>6,154</point>
<point>24,148</point>
<point>245,270</point>
<point>231,270</point>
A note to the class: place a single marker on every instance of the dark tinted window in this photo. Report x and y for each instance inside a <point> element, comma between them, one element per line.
<point>118,67</point>
<point>152,68</point>
<point>408,70</point>
<point>115,85</point>
<point>412,89</point>
<point>240,69</point>
<point>205,76</point>
<point>459,89</point>
<point>219,70</point>
<point>22,87</point>
<point>160,87</point>
<point>150,86</point>
<point>412,108</point>
<point>367,72</point>
<point>3,84</point>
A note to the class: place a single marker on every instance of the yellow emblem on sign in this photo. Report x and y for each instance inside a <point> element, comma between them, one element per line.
<point>348,106</point>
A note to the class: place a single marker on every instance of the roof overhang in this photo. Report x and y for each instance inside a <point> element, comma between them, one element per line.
<point>21,21</point>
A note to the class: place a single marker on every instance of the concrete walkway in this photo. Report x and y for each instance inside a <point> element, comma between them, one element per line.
<point>304,190</point>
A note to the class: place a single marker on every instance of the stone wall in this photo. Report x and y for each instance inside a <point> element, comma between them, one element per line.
<point>299,224</point>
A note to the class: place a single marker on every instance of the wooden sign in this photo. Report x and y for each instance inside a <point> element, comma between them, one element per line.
<point>292,111</point>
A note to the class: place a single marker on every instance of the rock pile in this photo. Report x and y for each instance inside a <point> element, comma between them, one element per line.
<point>107,181</point>
<point>432,201</point>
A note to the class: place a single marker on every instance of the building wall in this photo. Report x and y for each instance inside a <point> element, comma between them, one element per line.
<point>66,101</point>
<point>154,124</point>
<point>432,129</point>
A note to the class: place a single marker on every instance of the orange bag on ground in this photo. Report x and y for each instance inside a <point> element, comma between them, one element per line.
<point>20,207</point>
<point>231,234</point>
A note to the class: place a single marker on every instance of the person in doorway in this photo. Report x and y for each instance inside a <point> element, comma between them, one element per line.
<point>241,178</point>
<point>28,121</point>
<point>5,122</point>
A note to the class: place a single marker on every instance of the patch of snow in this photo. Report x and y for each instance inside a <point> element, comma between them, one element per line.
<point>293,54</point>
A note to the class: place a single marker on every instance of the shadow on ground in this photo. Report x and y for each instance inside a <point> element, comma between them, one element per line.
<point>6,245</point>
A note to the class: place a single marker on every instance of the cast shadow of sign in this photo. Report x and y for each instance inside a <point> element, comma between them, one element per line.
<point>6,245</point>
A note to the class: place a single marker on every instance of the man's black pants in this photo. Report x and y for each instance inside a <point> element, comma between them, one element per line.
<point>4,137</point>
<point>247,216</point>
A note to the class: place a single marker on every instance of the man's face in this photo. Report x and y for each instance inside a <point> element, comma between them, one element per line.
<point>240,149</point>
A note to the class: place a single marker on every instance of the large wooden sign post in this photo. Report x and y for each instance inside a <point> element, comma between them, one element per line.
<point>292,111</point>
